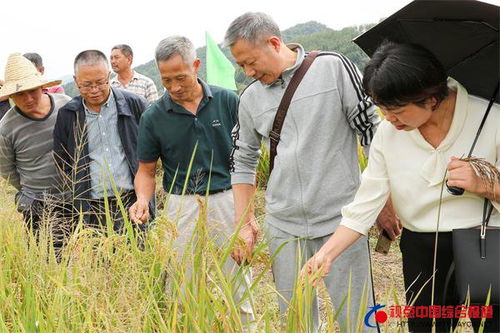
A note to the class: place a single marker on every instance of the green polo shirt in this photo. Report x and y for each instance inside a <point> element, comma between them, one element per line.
<point>170,132</point>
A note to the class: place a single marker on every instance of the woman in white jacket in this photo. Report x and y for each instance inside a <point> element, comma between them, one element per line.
<point>430,120</point>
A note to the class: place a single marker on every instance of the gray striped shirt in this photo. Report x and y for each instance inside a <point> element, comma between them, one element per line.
<point>26,145</point>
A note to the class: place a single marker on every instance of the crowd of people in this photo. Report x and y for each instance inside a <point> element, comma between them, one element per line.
<point>102,147</point>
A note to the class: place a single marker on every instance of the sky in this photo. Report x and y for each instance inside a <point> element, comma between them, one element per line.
<point>58,30</point>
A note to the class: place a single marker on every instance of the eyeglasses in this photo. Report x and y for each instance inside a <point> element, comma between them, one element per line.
<point>99,85</point>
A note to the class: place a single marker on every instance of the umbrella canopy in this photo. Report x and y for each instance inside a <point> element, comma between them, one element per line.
<point>462,34</point>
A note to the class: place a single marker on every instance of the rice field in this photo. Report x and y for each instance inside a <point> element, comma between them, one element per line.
<point>105,282</point>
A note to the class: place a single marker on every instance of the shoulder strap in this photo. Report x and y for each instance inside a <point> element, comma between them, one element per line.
<point>487,209</point>
<point>279,119</point>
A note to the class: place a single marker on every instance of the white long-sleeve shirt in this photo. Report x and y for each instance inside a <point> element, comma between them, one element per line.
<point>404,165</point>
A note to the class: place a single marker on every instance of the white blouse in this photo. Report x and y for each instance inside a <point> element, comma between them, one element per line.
<point>406,166</point>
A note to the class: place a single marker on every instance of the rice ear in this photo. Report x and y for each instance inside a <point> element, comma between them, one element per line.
<point>486,171</point>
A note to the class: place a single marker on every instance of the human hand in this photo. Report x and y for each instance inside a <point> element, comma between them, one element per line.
<point>461,174</point>
<point>389,221</point>
<point>139,211</point>
<point>317,267</point>
<point>247,238</point>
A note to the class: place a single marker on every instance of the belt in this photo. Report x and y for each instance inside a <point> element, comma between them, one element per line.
<point>218,191</point>
<point>210,192</point>
<point>123,196</point>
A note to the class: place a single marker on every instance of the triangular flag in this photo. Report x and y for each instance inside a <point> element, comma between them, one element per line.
<point>220,71</point>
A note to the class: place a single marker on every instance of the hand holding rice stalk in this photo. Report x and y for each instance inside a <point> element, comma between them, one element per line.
<point>315,269</point>
<point>247,238</point>
<point>474,175</point>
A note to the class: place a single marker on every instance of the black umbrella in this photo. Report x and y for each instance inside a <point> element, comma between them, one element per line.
<point>463,34</point>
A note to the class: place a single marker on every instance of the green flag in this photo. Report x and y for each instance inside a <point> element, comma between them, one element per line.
<point>220,71</point>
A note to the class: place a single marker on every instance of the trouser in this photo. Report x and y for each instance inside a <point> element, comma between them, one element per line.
<point>354,261</point>
<point>417,249</point>
<point>96,215</point>
<point>54,216</point>
<point>184,210</point>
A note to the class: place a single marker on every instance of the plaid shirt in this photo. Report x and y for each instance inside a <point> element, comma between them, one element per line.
<point>140,85</point>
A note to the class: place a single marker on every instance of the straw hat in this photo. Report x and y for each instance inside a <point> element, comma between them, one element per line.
<point>21,75</point>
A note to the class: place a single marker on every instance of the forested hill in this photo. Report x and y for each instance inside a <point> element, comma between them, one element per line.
<point>312,35</point>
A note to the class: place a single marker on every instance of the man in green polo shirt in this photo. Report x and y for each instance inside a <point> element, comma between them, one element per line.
<point>191,118</point>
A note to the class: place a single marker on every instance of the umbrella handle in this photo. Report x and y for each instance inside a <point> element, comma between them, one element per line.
<point>454,190</point>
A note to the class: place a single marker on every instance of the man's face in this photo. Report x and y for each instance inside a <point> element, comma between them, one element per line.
<point>119,62</point>
<point>179,78</point>
<point>28,101</point>
<point>93,83</point>
<point>260,61</point>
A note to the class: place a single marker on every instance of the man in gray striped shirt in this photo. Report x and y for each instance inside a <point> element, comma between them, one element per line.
<point>128,79</point>
<point>26,139</point>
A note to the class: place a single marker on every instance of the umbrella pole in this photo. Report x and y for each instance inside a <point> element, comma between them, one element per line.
<point>492,100</point>
<point>457,190</point>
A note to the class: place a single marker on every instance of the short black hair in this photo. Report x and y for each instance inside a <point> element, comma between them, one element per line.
<point>400,74</point>
<point>126,50</point>
<point>35,58</point>
<point>90,57</point>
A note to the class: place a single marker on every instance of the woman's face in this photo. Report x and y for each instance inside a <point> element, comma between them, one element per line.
<point>410,116</point>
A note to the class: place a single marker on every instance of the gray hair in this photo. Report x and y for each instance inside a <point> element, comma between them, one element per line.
<point>35,58</point>
<point>175,45</point>
<point>125,49</point>
<point>251,27</point>
<point>90,57</point>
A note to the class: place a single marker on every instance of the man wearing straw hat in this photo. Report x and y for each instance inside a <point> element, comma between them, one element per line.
<point>26,139</point>
<point>95,143</point>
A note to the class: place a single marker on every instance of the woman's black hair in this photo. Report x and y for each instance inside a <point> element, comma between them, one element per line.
<point>400,74</point>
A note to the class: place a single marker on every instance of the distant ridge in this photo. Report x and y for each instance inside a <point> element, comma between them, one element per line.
<point>303,29</point>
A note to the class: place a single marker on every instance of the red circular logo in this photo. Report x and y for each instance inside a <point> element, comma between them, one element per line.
<point>381,317</point>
